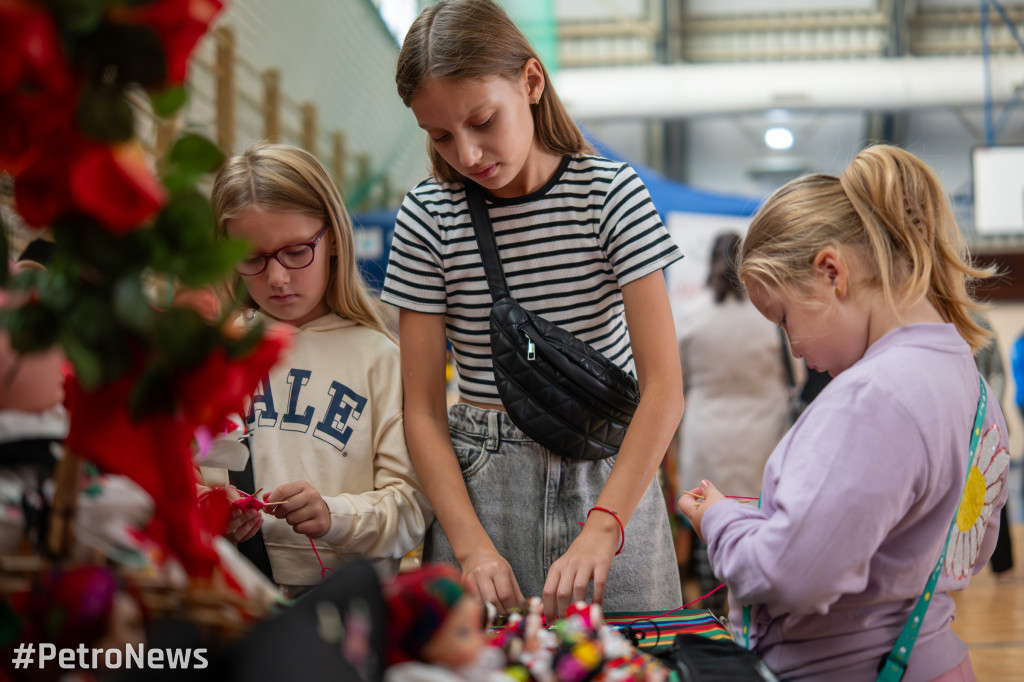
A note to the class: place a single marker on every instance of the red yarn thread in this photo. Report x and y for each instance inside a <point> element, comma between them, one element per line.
<point>323,569</point>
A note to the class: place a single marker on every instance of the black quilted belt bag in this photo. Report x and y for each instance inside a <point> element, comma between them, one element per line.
<point>558,390</point>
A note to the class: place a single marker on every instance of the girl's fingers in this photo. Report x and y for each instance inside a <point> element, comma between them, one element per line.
<point>243,527</point>
<point>507,593</point>
<point>250,529</point>
<point>311,527</point>
<point>290,505</point>
<point>689,501</point>
<point>291,496</point>
<point>312,518</point>
<point>557,593</point>
<point>600,580</point>
<point>520,599</point>
<point>579,587</point>
<point>563,596</point>
<point>489,593</point>
<point>297,516</point>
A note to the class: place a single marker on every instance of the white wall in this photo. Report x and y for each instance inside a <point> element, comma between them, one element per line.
<point>720,7</point>
<point>338,54</point>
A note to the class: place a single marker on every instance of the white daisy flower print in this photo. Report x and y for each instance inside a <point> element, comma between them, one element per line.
<point>985,483</point>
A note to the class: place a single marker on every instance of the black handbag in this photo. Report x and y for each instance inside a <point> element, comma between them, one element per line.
<point>557,389</point>
<point>700,659</point>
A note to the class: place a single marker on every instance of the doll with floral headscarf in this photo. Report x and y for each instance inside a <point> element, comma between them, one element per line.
<point>437,633</point>
<point>436,630</point>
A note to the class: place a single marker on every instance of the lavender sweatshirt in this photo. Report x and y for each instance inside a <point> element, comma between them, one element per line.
<point>856,503</point>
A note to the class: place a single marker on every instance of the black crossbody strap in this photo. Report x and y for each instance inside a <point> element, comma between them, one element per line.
<point>254,549</point>
<point>485,238</point>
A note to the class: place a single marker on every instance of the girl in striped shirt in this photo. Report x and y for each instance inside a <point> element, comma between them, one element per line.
<point>581,245</point>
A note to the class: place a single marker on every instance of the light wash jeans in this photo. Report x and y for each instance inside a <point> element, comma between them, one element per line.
<point>530,501</point>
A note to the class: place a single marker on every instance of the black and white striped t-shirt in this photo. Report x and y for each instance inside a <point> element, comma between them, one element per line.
<point>566,250</point>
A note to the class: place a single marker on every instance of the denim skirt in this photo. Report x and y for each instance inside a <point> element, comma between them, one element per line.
<point>530,501</point>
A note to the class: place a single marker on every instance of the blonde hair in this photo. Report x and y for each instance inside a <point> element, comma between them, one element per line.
<point>889,207</point>
<point>463,39</point>
<point>280,177</point>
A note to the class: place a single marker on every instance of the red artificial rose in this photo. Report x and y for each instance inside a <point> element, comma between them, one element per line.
<point>154,452</point>
<point>219,387</point>
<point>179,24</point>
<point>42,190</point>
<point>38,90</point>
<point>115,185</point>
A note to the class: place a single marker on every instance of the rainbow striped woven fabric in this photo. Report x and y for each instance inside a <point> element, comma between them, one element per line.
<point>660,630</point>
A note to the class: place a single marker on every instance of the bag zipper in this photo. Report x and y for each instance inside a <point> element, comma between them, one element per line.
<point>531,350</point>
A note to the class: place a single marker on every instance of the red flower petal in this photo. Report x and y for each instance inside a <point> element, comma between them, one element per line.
<point>153,452</point>
<point>180,24</point>
<point>38,90</point>
<point>42,191</point>
<point>219,387</point>
<point>116,186</point>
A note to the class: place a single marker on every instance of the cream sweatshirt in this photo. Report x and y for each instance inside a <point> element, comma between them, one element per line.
<point>330,413</point>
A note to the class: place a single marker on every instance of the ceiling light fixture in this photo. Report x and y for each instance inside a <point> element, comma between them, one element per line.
<point>778,138</point>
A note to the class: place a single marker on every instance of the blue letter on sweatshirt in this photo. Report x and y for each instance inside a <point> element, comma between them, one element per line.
<point>344,404</point>
<point>263,396</point>
<point>293,421</point>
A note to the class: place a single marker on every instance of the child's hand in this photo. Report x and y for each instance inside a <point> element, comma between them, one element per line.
<point>303,508</point>
<point>243,524</point>
<point>489,575</point>
<point>588,559</point>
<point>695,502</point>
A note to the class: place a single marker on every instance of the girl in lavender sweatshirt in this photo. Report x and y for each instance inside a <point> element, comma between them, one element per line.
<point>868,274</point>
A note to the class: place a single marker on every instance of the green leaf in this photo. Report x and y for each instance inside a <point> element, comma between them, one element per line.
<point>33,327</point>
<point>177,180</point>
<point>212,263</point>
<point>195,154</point>
<point>119,54</point>
<point>168,101</point>
<point>85,318</point>
<point>240,294</point>
<point>88,369</point>
<point>5,269</point>
<point>116,355</point>
<point>79,16</point>
<point>183,336</point>
<point>152,392</point>
<point>105,116</point>
<point>100,256</point>
<point>131,3</point>
<point>130,304</point>
<point>54,288</point>
<point>186,222</point>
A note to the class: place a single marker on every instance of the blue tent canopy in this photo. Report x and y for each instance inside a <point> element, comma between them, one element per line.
<point>374,230</point>
<point>670,196</point>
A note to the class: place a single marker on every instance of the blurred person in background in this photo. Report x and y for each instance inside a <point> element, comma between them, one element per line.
<point>735,377</point>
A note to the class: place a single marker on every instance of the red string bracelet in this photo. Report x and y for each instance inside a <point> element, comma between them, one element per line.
<point>622,529</point>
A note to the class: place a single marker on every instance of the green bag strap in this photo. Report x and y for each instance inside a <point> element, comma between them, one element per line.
<point>895,663</point>
<point>747,607</point>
